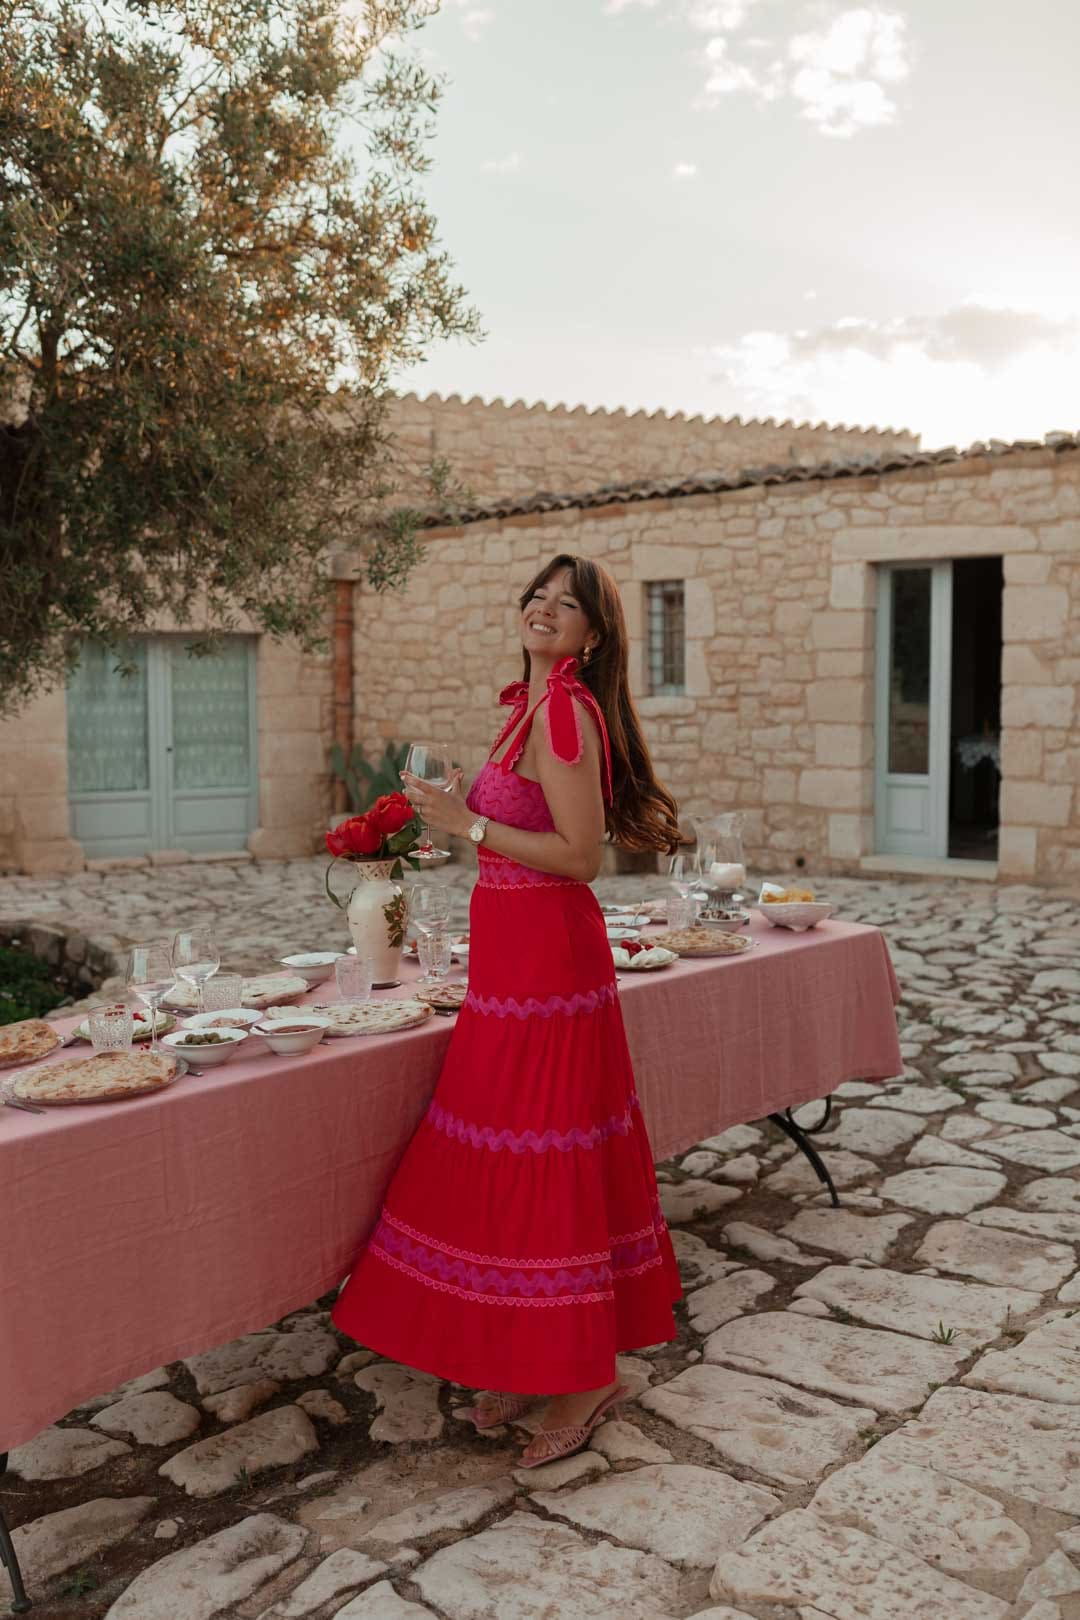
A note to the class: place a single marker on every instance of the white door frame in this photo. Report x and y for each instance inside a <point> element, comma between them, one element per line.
<point>911,812</point>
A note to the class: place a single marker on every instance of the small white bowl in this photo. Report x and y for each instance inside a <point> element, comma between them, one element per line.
<point>313,966</point>
<point>296,1041</point>
<point>224,1018</point>
<point>208,1056</point>
<point>615,934</point>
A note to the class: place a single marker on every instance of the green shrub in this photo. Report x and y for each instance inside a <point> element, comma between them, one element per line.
<point>27,987</point>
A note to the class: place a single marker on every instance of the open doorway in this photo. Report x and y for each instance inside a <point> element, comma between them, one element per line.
<point>975,709</point>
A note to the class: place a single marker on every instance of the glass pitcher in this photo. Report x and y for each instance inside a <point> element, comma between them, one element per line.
<point>720,858</point>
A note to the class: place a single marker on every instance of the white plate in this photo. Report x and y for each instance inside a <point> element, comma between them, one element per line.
<point>614,934</point>
<point>798,915</point>
<point>227,1018</point>
<point>626,920</point>
<point>313,966</point>
<point>645,961</point>
<point>141,1028</point>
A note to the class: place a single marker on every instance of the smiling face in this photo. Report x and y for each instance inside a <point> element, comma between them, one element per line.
<point>553,622</point>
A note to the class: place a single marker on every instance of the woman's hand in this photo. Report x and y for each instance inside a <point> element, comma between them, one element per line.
<point>442,809</point>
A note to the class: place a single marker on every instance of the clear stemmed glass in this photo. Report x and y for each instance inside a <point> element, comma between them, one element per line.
<point>432,763</point>
<point>195,958</point>
<point>430,908</point>
<point>150,975</point>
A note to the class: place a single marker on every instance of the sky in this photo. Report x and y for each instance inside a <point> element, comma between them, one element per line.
<point>788,208</point>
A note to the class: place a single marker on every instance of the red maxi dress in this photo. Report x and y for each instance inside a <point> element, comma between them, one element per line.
<point>521,1244</point>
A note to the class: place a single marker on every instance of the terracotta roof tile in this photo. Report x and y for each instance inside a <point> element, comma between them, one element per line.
<point>667,489</point>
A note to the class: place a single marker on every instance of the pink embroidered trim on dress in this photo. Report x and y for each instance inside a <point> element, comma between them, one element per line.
<point>494,1259</point>
<point>484,1136</point>
<point>497,872</point>
<point>548,1281</point>
<point>580,1001</point>
<point>492,1299</point>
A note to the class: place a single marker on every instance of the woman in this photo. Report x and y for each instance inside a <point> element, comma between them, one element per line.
<point>521,1242</point>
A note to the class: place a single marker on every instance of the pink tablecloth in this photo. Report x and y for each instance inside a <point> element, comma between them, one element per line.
<point>133,1234</point>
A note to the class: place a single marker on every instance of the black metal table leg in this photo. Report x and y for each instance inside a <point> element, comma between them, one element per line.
<point>20,1602</point>
<point>801,1139</point>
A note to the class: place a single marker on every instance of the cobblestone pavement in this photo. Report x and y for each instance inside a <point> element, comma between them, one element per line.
<point>870,1413</point>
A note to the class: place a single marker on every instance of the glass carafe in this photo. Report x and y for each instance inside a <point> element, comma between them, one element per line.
<point>723,869</point>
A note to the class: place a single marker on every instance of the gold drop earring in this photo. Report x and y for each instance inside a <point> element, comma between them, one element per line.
<point>586,654</point>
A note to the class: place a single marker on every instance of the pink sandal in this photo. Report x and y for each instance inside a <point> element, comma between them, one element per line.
<point>572,1437</point>
<point>497,1409</point>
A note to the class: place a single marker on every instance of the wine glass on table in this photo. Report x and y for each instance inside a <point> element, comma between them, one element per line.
<point>195,958</point>
<point>150,976</point>
<point>432,763</point>
<point>430,911</point>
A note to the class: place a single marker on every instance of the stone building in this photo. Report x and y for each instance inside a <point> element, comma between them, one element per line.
<point>869,649</point>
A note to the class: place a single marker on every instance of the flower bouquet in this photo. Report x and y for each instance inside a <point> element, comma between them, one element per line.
<point>389,831</point>
<point>376,844</point>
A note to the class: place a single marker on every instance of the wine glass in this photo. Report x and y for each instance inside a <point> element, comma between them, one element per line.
<point>195,958</point>
<point>432,763</point>
<point>150,975</point>
<point>430,908</point>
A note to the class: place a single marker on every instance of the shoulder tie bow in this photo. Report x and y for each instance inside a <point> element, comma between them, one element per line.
<point>562,719</point>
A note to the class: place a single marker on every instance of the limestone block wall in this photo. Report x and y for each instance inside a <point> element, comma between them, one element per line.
<point>778,719</point>
<point>294,724</point>
<point>500,450</point>
<point>34,822</point>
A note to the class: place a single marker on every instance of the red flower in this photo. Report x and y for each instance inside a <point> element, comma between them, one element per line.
<point>392,812</point>
<point>364,834</point>
<point>335,843</point>
<point>359,835</point>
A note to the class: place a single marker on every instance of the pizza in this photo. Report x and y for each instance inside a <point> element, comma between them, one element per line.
<point>373,1017</point>
<point>23,1042</point>
<point>702,942</point>
<point>444,997</point>
<point>105,1077</point>
<point>261,991</point>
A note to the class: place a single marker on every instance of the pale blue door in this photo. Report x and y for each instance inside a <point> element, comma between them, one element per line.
<point>162,756</point>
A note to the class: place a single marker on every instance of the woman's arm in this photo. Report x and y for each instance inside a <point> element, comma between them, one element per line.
<point>574,797</point>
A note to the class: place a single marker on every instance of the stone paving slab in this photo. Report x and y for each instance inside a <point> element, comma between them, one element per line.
<point>911,1358</point>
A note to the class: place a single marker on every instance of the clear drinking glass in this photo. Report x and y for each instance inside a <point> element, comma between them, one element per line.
<point>434,952</point>
<point>681,874</point>
<point>149,977</point>
<point>429,907</point>
<point>433,763</point>
<point>111,1028</point>
<point>682,911</point>
<point>354,975</point>
<point>223,990</point>
<point>195,958</point>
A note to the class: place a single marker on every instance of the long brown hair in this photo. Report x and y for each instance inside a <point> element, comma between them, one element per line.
<point>642,814</point>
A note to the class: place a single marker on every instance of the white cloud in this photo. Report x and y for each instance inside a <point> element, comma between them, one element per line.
<point>839,72</point>
<point>971,372</point>
<point>718,16</point>
<point>684,171</point>
<point>612,8</point>
<point>474,19</point>
<point>502,165</point>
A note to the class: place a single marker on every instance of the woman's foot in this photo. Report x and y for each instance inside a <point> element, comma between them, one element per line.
<point>569,1420</point>
<point>493,1409</point>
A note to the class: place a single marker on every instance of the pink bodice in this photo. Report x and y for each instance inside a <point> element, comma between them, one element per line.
<point>516,801</point>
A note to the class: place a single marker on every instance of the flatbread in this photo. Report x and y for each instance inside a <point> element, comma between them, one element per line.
<point>373,1017</point>
<point>25,1041</point>
<point>702,942</point>
<point>260,991</point>
<point>444,996</point>
<point>105,1077</point>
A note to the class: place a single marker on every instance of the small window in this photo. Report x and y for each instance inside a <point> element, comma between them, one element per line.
<point>666,600</point>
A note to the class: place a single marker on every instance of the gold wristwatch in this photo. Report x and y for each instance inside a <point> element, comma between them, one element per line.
<point>478,829</point>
